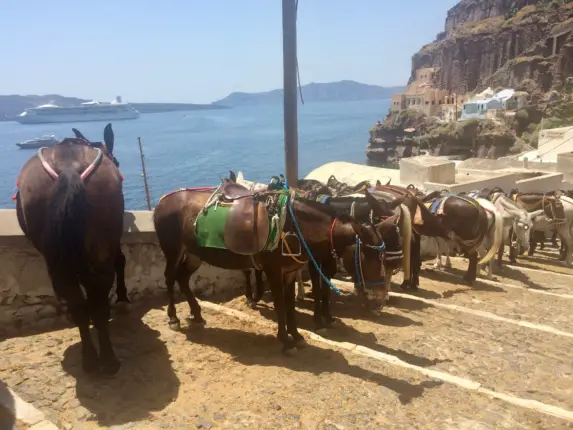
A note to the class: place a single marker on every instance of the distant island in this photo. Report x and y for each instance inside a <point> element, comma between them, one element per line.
<point>13,105</point>
<point>328,92</point>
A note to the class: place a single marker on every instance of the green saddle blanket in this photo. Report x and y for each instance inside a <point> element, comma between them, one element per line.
<point>244,226</point>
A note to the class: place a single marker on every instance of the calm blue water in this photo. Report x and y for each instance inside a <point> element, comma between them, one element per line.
<point>188,149</point>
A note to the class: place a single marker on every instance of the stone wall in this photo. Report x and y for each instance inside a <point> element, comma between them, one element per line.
<point>26,296</point>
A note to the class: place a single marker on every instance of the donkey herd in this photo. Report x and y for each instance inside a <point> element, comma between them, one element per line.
<point>70,205</point>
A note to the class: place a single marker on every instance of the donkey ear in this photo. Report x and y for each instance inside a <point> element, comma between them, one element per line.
<point>78,134</point>
<point>378,183</point>
<point>232,176</point>
<point>108,138</point>
<point>379,207</point>
<point>389,180</point>
<point>535,214</point>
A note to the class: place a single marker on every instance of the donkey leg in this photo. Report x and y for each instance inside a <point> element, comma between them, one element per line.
<point>260,286</point>
<point>417,264</point>
<point>98,282</point>
<point>500,255</point>
<point>448,261</point>
<point>471,274</point>
<point>317,297</point>
<point>292,329</point>
<point>275,278</point>
<point>80,315</point>
<point>121,289</point>
<point>170,277</point>
<point>329,269</point>
<point>184,272</point>
<point>300,291</point>
<point>100,312</point>
<point>248,288</point>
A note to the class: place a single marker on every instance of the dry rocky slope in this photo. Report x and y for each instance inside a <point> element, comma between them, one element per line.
<point>521,44</point>
<point>502,43</point>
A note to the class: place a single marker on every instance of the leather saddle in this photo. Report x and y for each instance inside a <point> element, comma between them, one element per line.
<point>247,227</point>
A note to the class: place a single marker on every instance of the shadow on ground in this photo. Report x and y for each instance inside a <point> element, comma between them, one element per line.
<point>7,419</point>
<point>145,383</point>
<point>253,349</point>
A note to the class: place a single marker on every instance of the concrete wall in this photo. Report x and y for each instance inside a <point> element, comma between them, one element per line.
<point>505,181</point>
<point>418,170</point>
<point>353,174</point>
<point>509,163</point>
<point>565,165</point>
<point>541,184</point>
<point>26,296</point>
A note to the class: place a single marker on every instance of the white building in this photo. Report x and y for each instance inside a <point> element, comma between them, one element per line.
<point>478,106</point>
<point>551,143</point>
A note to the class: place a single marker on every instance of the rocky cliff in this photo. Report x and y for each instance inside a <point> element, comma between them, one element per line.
<point>502,43</point>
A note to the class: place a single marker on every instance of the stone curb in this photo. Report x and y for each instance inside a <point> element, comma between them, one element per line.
<point>24,411</point>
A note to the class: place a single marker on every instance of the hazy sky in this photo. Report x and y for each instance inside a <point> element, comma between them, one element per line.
<point>200,51</point>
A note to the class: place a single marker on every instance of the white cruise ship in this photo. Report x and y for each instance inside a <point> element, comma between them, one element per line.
<point>89,111</point>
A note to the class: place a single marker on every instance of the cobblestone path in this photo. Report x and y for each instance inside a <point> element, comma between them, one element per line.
<point>512,335</point>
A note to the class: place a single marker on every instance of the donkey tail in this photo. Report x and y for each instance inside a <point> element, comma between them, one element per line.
<point>406,241</point>
<point>497,236</point>
<point>67,214</point>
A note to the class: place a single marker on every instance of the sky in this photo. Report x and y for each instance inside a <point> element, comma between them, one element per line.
<point>200,51</point>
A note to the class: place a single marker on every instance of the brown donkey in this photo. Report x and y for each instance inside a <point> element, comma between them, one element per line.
<point>320,227</point>
<point>70,205</point>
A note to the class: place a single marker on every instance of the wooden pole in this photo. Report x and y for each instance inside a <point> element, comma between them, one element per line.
<point>144,174</point>
<point>290,91</point>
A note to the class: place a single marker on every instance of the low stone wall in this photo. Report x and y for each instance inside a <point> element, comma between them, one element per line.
<point>476,181</point>
<point>26,295</point>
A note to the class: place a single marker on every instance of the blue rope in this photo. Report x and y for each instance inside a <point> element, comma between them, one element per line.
<point>295,223</point>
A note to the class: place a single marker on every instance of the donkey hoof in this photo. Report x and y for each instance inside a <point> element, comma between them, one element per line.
<point>111,367</point>
<point>122,306</point>
<point>175,325</point>
<point>90,364</point>
<point>290,352</point>
<point>376,312</point>
<point>198,321</point>
<point>301,343</point>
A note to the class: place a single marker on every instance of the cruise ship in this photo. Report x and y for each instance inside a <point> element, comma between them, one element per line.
<point>89,111</point>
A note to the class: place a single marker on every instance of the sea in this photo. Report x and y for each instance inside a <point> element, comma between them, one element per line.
<point>198,148</point>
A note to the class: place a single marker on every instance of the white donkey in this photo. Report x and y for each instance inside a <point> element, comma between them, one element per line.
<point>517,224</point>
<point>563,226</point>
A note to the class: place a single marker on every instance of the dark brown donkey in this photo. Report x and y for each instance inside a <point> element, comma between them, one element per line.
<point>70,205</point>
<point>463,220</point>
<point>319,226</point>
<point>336,195</point>
<point>120,262</point>
<point>423,223</point>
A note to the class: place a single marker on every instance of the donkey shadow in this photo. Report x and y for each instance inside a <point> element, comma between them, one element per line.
<point>146,382</point>
<point>253,349</point>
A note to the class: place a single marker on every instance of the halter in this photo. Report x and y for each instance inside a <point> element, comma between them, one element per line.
<point>358,261</point>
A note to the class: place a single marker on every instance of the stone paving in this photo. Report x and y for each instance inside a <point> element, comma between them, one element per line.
<point>231,374</point>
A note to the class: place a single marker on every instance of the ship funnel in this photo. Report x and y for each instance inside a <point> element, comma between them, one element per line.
<point>118,99</point>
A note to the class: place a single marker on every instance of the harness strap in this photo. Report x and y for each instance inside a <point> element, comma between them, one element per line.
<point>332,248</point>
<point>85,174</point>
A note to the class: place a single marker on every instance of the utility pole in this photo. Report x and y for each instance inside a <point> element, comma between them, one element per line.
<point>290,91</point>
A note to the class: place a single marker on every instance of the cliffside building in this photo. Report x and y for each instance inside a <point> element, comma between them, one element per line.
<point>421,96</point>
